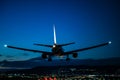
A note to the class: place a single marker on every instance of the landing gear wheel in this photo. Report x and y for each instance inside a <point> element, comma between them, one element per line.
<point>67,59</point>
<point>49,59</point>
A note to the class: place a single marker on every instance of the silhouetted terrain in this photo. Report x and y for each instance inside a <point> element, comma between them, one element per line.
<point>75,68</point>
<point>42,64</point>
<point>59,62</point>
<point>81,69</point>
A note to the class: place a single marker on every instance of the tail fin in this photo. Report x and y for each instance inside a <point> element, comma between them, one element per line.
<point>55,42</point>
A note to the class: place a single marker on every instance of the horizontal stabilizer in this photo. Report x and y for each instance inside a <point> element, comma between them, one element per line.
<point>43,45</point>
<point>67,44</point>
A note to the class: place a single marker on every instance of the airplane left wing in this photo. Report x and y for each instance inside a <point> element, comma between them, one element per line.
<point>31,50</point>
<point>83,49</point>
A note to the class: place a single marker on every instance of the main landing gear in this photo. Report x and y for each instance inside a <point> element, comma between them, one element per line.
<point>49,59</point>
<point>67,59</point>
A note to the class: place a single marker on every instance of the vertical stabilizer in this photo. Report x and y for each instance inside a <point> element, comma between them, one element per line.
<point>54,34</point>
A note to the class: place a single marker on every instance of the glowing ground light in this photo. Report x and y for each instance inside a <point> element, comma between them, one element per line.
<point>5,45</point>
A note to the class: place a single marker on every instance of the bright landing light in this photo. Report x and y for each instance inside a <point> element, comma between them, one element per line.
<point>54,46</point>
<point>109,42</point>
<point>5,45</point>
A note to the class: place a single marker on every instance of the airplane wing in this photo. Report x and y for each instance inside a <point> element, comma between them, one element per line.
<point>87,48</point>
<point>31,50</point>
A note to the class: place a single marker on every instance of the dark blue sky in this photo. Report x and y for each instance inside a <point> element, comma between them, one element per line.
<point>86,22</point>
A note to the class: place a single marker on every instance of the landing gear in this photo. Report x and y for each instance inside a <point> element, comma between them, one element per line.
<point>49,59</point>
<point>67,59</point>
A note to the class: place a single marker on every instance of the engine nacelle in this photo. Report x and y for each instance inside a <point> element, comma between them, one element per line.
<point>44,56</point>
<point>75,55</point>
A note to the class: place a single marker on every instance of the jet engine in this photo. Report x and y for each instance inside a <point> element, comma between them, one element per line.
<point>44,56</point>
<point>75,55</point>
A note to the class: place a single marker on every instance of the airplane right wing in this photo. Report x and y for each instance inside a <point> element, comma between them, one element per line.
<point>31,50</point>
<point>87,48</point>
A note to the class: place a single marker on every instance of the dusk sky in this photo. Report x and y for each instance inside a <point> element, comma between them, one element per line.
<point>85,22</point>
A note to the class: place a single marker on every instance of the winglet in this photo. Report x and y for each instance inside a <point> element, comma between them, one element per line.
<point>5,45</point>
<point>54,34</point>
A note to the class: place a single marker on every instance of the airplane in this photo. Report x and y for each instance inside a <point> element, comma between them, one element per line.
<point>57,50</point>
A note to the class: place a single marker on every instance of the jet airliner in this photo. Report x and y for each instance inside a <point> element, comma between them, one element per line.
<point>57,50</point>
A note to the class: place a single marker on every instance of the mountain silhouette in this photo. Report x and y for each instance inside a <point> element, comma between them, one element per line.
<point>58,62</point>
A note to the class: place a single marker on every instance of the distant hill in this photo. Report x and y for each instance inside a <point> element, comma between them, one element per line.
<point>58,62</point>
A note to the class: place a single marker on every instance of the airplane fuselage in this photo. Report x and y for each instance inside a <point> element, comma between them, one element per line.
<point>57,50</point>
